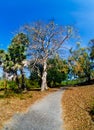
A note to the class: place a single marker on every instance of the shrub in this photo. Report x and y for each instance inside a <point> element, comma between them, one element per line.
<point>55,77</point>
<point>1,84</point>
<point>31,84</point>
<point>12,85</point>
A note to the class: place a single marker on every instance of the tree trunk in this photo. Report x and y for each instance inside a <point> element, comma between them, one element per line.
<point>17,80</point>
<point>5,85</point>
<point>5,81</point>
<point>44,76</point>
<point>22,80</point>
<point>88,78</point>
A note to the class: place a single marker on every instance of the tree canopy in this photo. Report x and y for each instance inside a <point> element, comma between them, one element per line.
<point>45,39</point>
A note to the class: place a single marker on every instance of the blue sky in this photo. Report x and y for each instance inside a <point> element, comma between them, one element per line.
<point>15,13</point>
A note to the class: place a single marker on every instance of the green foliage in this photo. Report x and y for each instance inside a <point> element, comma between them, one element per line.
<point>91,49</point>
<point>36,75</point>
<point>17,49</point>
<point>71,82</point>
<point>55,77</point>
<point>44,41</point>
<point>12,85</point>
<point>14,57</point>
<point>57,71</point>
<point>80,65</point>
<point>1,84</point>
<point>34,84</point>
<point>30,84</point>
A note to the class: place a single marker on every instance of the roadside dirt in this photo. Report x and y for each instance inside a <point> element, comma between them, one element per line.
<point>19,103</point>
<point>76,103</point>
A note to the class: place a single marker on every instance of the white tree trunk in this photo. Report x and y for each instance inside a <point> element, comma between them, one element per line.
<point>44,77</point>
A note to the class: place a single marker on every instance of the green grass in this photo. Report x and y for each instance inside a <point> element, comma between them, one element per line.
<point>74,82</point>
<point>71,82</point>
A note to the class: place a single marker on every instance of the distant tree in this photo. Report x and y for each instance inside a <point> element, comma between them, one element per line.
<point>17,53</point>
<point>91,48</point>
<point>14,59</point>
<point>91,53</point>
<point>45,40</point>
<point>80,63</point>
<point>5,64</point>
<point>2,54</point>
<point>57,71</point>
<point>36,73</point>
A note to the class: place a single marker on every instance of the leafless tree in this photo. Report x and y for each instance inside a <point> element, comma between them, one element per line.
<point>45,40</point>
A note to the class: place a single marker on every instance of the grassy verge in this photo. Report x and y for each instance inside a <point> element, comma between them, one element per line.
<point>77,104</point>
<point>14,103</point>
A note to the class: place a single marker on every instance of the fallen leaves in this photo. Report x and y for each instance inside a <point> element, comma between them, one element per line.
<point>76,102</point>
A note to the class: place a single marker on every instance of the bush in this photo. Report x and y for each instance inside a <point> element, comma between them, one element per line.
<point>31,84</point>
<point>12,85</point>
<point>1,84</point>
<point>55,77</point>
<point>57,72</point>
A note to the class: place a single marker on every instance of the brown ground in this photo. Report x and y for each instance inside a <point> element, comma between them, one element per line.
<point>77,101</point>
<point>18,103</point>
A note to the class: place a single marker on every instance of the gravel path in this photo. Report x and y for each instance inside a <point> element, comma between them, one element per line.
<point>43,115</point>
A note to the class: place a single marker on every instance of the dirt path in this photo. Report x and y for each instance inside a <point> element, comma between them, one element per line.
<point>43,115</point>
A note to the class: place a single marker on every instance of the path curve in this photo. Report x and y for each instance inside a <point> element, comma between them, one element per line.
<point>43,115</point>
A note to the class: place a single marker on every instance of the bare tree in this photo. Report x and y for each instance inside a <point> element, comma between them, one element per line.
<point>45,40</point>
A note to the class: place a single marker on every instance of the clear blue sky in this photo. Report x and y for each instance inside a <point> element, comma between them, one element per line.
<point>15,13</point>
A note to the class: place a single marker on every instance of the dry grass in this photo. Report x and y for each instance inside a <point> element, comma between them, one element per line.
<point>76,104</point>
<point>18,103</point>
